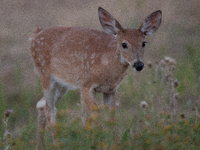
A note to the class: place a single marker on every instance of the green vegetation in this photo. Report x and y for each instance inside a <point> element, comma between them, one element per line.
<point>168,119</point>
<point>155,111</point>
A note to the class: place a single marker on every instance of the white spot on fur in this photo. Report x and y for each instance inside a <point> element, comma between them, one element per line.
<point>88,66</point>
<point>104,59</point>
<point>41,38</point>
<point>85,55</point>
<point>38,41</point>
<point>87,46</point>
<point>123,60</point>
<point>114,45</point>
<point>61,61</point>
<point>92,61</point>
<point>42,64</point>
<point>93,55</point>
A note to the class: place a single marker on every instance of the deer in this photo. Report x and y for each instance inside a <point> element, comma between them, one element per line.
<point>69,58</point>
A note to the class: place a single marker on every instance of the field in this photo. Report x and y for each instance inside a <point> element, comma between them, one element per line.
<point>158,108</point>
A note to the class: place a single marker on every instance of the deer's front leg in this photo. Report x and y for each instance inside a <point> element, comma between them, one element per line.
<point>88,96</point>
<point>109,100</point>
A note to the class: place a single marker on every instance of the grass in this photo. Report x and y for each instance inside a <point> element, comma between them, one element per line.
<point>169,121</point>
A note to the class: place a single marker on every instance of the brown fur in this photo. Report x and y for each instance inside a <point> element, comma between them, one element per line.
<point>91,60</point>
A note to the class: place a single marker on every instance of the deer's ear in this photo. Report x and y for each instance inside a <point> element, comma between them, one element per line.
<point>151,23</point>
<point>108,22</point>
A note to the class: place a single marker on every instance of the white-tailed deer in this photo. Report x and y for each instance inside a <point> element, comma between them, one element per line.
<point>91,60</point>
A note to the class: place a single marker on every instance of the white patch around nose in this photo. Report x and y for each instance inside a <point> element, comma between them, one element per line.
<point>135,70</point>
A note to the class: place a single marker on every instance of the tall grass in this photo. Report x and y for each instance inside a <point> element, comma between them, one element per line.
<point>167,120</point>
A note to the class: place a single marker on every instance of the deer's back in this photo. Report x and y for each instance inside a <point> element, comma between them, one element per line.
<point>73,53</point>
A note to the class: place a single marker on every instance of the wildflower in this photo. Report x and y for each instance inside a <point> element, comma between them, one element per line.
<point>176,95</point>
<point>94,116</point>
<point>117,105</point>
<point>195,126</point>
<point>172,61</point>
<point>139,147</point>
<point>168,115</point>
<point>161,113</point>
<point>136,136</point>
<point>61,144</point>
<point>7,112</point>
<point>172,68</point>
<point>156,62</point>
<point>176,83</point>
<point>148,141</point>
<point>163,63</point>
<point>143,104</point>
<point>186,123</point>
<point>160,123</point>
<point>166,127</point>
<point>88,124</point>
<point>183,116</point>
<point>167,59</point>
<point>148,117</point>
<point>95,108</point>
<point>31,142</point>
<point>63,113</point>
<point>103,145</point>
<point>187,139</point>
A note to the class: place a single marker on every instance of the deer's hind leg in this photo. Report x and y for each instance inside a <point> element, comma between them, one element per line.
<point>41,122</point>
<point>47,108</point>
<point>52,95</point>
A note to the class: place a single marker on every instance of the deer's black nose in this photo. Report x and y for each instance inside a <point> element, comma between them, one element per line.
<point>138,65</point>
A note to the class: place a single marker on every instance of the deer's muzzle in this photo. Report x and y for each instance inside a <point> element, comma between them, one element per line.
<point>138,65</point>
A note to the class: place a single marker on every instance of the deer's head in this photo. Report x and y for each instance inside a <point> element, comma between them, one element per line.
<point>131,42</point>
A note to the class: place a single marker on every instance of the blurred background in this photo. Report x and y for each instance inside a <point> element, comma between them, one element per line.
<point>178,37</point>
<point>18,19</point>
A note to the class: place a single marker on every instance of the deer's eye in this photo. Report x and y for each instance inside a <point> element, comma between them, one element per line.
<point>124,45</point>
<point>144,44</point>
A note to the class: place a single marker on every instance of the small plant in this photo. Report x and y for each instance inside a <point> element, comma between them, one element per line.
<point>162,88</point>
<point>5,141</point>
